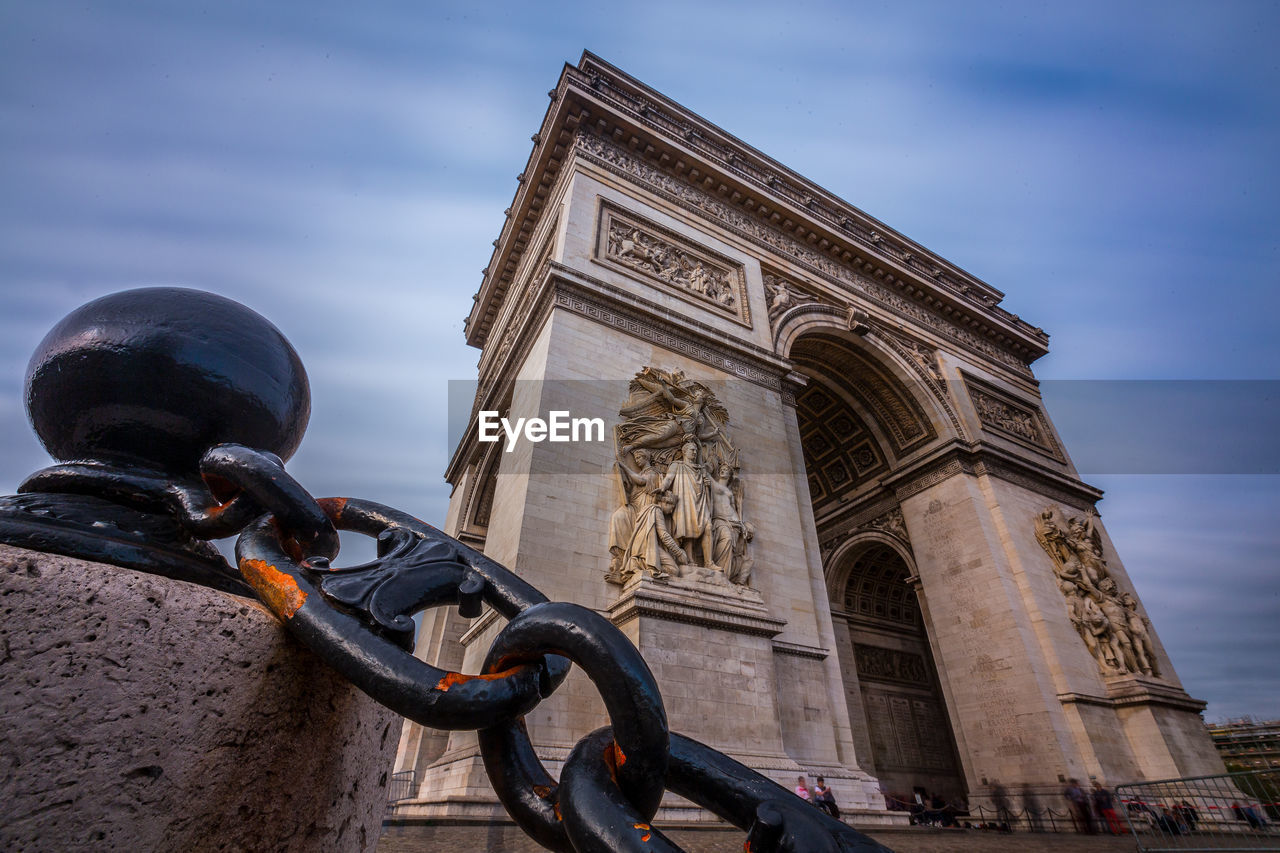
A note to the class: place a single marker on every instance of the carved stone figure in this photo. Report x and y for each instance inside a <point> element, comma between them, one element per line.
<point>1086,617</point>
<point>1114,632</point>
<point>892,522</point>
<point>673,429</point>
<point>688,481</point>
<point>679,411</point>
<point>783,295</point>
<point>1085,541</point>
<point>1117,618</point>
<point>639,485</point>
<point>1143,650</point>
<point>729,534</point>
<point>1051,537</point>
<point>652,546</point>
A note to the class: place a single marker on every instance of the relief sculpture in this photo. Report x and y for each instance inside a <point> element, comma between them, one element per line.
<point>648,253</point>
<point>783,296</point>
<point>682,494</point>
<point>993,412</point>
<point>1113,629</point>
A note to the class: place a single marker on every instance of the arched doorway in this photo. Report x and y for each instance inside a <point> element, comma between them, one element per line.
<point>891,683</point>
<point>860,418</point>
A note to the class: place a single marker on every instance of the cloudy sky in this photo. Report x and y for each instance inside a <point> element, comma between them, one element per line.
<point>342,169</point>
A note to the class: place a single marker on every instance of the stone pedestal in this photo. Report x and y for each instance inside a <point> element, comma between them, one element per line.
<point>142,713</point>
<point>710,645</point>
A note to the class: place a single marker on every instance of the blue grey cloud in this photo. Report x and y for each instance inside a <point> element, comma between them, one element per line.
<point>342,169</point>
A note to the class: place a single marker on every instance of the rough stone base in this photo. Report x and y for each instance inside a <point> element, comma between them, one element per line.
<point>142,713</point>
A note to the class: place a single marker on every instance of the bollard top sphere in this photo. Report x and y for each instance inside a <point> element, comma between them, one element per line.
<point>156,376</point>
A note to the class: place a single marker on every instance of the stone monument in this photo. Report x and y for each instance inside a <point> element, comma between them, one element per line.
<point>834,517</point>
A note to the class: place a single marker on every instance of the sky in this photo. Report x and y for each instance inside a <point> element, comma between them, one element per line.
<point>343,168</point>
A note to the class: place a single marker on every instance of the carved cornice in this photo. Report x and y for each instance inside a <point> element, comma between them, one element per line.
<point>1136,693</point>
<point>656,129</point>
<point>939,319</point>
<point>651,322</point>
<point>978,459</point>
<point>678,601</point>
<point>665,118</point>
<point>479,625</point>
<point>800,651</point>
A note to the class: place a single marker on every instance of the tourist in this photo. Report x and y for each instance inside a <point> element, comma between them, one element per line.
<point>1168,823</point>
<point>1248,815</point>
<point>1000,799</point>
<point>823,798</point>
<point>1104,805</point>
<point>1188,814</point>
<point>802,789</point>
<point>939,807</point>
<point>1080,811</point>
<point>1031,805</point>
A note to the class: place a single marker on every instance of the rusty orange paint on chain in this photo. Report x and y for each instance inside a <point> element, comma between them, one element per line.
<point>277,590</point>
<point>452,678</point>
<point>218,509</point>
<point>333,507</point>
<point>613,759</point>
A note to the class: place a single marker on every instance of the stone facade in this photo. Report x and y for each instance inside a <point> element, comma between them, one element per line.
<point>902,623</point>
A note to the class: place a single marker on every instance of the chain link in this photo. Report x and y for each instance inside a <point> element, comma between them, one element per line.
<point>358,620</point>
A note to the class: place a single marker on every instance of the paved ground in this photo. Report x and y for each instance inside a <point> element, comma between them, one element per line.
<point>508,839</point>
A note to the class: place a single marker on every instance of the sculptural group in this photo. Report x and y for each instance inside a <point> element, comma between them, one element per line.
<point>682,497</point>
<point>1109,622</point>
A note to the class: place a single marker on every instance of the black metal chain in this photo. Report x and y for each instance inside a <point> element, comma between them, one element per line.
<point>358,620</point>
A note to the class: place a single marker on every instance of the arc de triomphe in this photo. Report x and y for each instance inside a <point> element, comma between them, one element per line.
<point>830,508</point>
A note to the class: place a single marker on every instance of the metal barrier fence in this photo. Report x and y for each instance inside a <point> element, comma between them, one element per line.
<point>1027,819</point>
<point>1023,820</point>
<point>402,786</point>
<point>1233,811</point>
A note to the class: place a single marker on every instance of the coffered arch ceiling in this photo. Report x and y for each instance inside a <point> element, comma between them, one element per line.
<point>857,418</point>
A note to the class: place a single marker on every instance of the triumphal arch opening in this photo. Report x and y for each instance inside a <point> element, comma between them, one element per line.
<point>829,506</point>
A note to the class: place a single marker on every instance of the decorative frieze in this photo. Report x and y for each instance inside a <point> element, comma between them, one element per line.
<point>619,161</point>
<point>658,255</point>
<point>884,664</point>
<point>1012,418</point>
